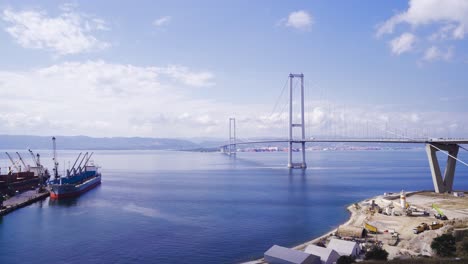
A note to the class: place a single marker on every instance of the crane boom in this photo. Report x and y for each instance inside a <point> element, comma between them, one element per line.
<point>12,161</point>
<point>21,159</point>
<point>86,163</point>
<point>73,167</point>
<point>435,207</point>
<point>34,157</point>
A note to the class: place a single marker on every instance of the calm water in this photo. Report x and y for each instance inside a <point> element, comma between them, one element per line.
<point>180,207</point>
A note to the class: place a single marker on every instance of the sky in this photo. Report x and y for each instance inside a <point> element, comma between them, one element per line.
<point>181,69</point>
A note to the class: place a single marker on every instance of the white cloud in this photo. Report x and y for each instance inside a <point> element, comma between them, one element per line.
<point>403,43</point>
<point>100,98</point>
<point>425,12</point>
<point>434,53</point>
<point>447,20</point>
<point>183,74</point>
<point>162,21</point>
<point>68,33</point>
<point>299,20</point>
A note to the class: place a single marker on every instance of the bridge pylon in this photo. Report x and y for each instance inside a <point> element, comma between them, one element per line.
<point>444,184</point>
<point>232,147</point>
<point>293,125</point>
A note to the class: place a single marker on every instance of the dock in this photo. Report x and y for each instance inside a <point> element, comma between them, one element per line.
<point>22,200</point>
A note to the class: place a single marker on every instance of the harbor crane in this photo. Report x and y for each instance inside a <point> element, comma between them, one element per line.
<point>37,161</point>
<point>72,170</point>
<point>22,161</point>
<point>18,168</point>
<point>56,164</point>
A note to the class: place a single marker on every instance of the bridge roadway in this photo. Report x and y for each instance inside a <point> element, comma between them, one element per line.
<point>442,183</point>
<point>360,140</point>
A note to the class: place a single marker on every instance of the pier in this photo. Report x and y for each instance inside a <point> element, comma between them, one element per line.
<point>22,200</point>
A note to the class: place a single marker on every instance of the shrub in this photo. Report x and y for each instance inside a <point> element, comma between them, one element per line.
<point>376,253</point>
<point>444,245</point>
<point>345,260</point>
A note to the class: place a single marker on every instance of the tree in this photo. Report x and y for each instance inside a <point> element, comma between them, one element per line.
<point>376,253</point>
<point>444,245</point>
<point>345,260</point>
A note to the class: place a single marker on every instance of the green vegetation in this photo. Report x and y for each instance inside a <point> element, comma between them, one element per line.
<point>345,260</point>
<point>444,245</point>
<point>376,253</point>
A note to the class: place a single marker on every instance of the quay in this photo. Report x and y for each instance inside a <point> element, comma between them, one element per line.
<point>22,200</point>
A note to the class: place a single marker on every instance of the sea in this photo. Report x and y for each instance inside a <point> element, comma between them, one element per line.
<point>194,207</point>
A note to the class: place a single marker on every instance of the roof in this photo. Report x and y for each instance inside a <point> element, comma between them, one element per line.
<point>323,253</point>
<point>343,247</point>
<point>290,255</point>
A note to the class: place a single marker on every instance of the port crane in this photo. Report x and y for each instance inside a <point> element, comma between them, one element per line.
<point>56,164</point>
<point>21,159</point>
<point>18,168</point>
<point>37,161</point>
<point>72,170</point>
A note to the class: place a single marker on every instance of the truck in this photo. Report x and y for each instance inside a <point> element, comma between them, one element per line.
<point>436,225</point>
<point>372,229</point>
<point>420,228</point>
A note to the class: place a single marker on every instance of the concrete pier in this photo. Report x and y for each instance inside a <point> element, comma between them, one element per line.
<point>444,184</point>
<point>21,200</point>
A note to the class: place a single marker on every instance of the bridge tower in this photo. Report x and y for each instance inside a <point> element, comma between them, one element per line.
<point>232,148</point>
<point>292,125</point>
<point>444,184</point>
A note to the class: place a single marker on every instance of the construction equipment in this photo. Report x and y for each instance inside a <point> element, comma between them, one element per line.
<point>439,215</point>
<point>372,229</point>
<point>420,228</point>
<point>436,225</point>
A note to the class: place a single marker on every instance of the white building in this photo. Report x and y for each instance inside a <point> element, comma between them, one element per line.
<point>282,255</point>
<point>326,255</point>
<point>344,248</point>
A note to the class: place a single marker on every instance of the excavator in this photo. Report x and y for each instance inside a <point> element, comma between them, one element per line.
<point>439,215</point>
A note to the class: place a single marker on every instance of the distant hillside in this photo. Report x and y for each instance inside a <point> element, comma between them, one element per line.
<point>83,142</point>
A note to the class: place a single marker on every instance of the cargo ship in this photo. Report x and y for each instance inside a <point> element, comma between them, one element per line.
<point>22,178</point>
<point>79,179</point>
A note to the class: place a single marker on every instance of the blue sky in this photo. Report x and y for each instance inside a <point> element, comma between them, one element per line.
<point>182,68</point>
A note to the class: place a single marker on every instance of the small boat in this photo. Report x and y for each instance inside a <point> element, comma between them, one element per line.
<point>78,180</point>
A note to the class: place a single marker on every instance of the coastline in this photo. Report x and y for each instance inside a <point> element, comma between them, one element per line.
<point>408,244</point>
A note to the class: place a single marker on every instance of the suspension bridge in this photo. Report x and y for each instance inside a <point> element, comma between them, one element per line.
<point>448,146</point>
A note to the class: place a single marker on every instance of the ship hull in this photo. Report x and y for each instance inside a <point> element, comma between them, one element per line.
<point>62,191</point>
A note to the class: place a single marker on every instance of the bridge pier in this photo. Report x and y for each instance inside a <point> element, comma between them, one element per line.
<point>444,184</point>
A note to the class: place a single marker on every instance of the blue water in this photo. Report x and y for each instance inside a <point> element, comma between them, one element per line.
<point>182,207</point>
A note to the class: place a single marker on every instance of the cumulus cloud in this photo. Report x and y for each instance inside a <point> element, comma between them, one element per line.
<point>403,43</point>
<point>101,98</point>
<point>68,33</point>
<point>301,20</point>
<point>162,21</point>
<point>447,20</point>
<point>434,53</point>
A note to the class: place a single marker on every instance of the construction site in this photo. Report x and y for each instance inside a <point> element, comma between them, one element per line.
<point>404,224</point>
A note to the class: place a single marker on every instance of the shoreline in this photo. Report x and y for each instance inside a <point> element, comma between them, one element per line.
<point>409,245</point>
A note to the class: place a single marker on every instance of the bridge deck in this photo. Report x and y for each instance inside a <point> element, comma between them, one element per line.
<point>361,140</point>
